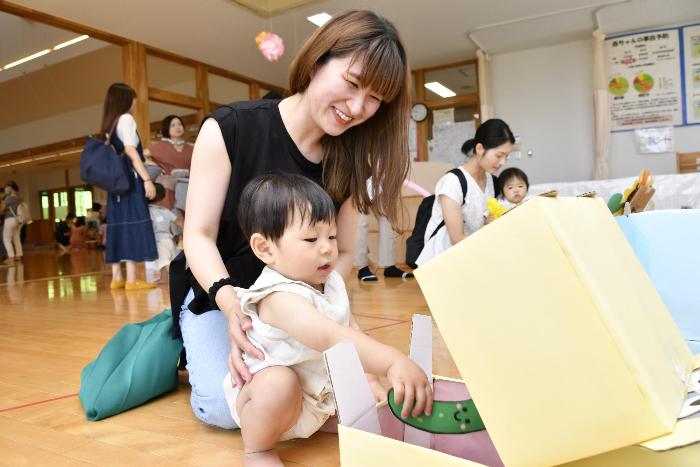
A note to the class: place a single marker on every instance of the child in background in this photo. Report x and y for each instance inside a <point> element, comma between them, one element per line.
<point>299,308</point>
<point>63,231</point>
<point>77,234</point>
<point>162,219</point>
<point>513,184</point>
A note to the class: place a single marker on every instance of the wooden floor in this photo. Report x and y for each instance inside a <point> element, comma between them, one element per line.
<point>56,313</point>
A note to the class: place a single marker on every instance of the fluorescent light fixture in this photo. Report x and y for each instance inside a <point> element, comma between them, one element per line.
<point>26,59</point>
<point>71,42</point>
<point>319,19</point>
<point>439,89</point>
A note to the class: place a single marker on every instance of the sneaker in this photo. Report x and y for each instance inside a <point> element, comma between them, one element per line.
<point>365,275</point>
<point>393,271</point>
<point>117,284</point>
<point>139,285</point>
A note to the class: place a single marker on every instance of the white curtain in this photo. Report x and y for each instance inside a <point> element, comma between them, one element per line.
<point>485,97</point>
<point>602,119</point>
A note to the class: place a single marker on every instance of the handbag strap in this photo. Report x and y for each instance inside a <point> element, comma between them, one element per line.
<point>111,130</point>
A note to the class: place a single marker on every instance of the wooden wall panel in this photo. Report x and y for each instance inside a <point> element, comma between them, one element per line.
<point>136,76</point>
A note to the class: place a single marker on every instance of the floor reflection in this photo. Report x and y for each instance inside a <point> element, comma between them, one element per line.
<point>45,263</point>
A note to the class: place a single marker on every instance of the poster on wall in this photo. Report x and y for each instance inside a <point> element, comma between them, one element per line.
<point>448,138</point>
<point>691,47</point>
<point>644,79</point>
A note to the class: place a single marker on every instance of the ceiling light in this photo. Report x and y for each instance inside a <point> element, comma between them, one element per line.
<point>26,59</point>
<point>71,42</point>
<point>319,19</point>
<point>439,89</point>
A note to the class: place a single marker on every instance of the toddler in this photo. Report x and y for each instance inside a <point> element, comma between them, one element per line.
<point>513,184</point>
<point>162,219</point>
<point>299,308</point>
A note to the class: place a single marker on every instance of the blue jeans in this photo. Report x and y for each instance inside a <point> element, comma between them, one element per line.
<point>205,338</point>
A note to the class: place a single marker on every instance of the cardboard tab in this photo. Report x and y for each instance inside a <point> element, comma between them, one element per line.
<point>353,397</point>
<point>421,352</point>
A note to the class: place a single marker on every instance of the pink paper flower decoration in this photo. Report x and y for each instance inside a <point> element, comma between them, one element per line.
<point>270,45</point>
<point>411,185</point>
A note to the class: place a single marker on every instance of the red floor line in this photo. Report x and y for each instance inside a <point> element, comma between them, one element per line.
<point>379,317</point>
<point>31,404</point>
<point>384,326</point>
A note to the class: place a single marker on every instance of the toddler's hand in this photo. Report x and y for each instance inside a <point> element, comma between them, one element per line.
<point>410,385</point>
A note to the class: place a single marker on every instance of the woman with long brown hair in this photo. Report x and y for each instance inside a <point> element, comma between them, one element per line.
<point>346,121</point>
<point>130,237</point>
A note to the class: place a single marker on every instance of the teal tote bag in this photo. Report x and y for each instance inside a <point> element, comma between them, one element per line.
<point>137,364</point>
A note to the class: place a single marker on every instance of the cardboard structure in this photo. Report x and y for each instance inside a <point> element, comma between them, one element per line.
<point>667,245</point>
<point>371,436</point>
<point>577,355</point>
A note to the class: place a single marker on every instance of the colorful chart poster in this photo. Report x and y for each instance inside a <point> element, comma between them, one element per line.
<point>644,79</point>
<point>691,46</point>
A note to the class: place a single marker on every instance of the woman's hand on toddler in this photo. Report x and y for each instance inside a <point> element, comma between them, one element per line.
<point>238,324</point>
<point>410,385</point>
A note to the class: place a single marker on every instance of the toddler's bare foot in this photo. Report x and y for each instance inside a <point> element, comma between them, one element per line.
<point>262,459</point>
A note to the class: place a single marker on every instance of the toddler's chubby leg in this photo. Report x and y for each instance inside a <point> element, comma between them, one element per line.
<point>268,406</point>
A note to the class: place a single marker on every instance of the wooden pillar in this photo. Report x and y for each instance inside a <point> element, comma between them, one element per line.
<point>202,79</point>
<point>254,91</point>
<point>421,127</point>
<point>136,76</point>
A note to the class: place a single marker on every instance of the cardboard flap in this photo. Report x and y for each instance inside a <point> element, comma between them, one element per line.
<point>353,397</point>
<point>687,432</point>
<point>421,352</point>
<point>421,349</point>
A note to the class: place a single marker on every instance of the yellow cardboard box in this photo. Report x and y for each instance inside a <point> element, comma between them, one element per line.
<point>567,348</point>
<point>369,435</point>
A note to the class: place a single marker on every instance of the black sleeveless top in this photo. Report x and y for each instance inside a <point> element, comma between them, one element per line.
<point>257,143</point>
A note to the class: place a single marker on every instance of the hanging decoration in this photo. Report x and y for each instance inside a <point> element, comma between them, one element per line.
<point>270,45</point>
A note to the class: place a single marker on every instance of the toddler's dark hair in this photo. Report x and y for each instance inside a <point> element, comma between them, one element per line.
<point>511,172</point>
<point>270,202</point>
<point>160,193</point>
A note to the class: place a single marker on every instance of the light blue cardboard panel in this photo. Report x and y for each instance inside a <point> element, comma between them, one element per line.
<point>667,244</point>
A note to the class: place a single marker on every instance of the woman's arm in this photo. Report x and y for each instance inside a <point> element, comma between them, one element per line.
<point>347,221</point>
<point>210,175</point>
<point>452,213</point>
<point>148,185</point>
<point>297,317</point>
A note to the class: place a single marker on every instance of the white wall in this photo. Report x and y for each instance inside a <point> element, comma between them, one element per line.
<point>74,124</point>
<point>545,95</point>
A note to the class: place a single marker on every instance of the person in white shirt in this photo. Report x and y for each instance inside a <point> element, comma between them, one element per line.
<point>299,308</point>
<point>455,216</point>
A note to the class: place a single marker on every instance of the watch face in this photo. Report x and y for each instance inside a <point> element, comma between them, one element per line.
<point>419,112</point>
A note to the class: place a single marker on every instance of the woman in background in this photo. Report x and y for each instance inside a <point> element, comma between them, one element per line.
<point>11,226</point>
<point>454,215</point>
<point>171,153</point>
<point>130,236</point>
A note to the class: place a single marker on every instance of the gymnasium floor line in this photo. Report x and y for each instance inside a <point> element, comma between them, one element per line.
<point>32,404</point>
<point>379,317</point>
<point>384,326</point>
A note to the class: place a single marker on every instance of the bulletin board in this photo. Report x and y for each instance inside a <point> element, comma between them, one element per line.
<point>654,78</point>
